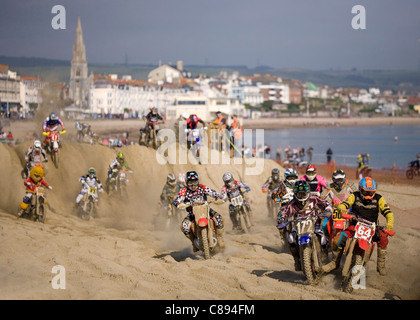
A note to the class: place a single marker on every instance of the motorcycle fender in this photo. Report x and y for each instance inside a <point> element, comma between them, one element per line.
<point>363,244</point>
<point>304,239</point>
<point>202,222</point>
<point>55,145</point>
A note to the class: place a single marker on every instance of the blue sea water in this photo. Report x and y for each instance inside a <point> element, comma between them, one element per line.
<point>347,142</point>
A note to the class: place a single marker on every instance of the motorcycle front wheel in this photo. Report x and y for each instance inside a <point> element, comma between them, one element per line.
<point>204,243</point>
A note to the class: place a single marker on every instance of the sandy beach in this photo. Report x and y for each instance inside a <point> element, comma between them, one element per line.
<point>121,255</point>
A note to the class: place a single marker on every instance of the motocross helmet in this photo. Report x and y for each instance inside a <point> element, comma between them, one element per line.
<point>92,172</point>
<point>311,172</point>
<point>120,157</point>
<point>185,115</point>
<point>36,174</point>
<point>170,179</point>
<point>367,188</point>
<point>191,179</point>
<point>301,191</point>
<point>53,116</point>
<point>181,177</point>
<point>37,145</point>
<point>275,174</point>
<point>339,179</point>
<point>154,110</point>
<point>290,175</point>
<point>227,178</point>
<point>78,125</point>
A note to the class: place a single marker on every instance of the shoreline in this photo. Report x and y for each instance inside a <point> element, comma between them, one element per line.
<point>303,122</point>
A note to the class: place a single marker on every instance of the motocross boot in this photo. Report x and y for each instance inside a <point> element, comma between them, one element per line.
<point>191,237</point>
<point>334,263</point>
<point>380,264</point>
<point>295,253</point>
<point>219,237</point>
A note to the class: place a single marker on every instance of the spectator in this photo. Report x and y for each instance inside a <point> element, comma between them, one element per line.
<point>309,153</point>
<point>329,155</point>
<point>278,153</point>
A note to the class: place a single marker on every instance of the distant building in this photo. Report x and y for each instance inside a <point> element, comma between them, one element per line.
<point>30,92</point>
<point>165,73</point>
<point>9,91</point>
<point>79,80</point>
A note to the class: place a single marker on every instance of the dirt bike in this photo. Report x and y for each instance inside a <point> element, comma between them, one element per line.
<point>306,237</point>
<point>413,171</point>
<point>119,183</point>
<point>53,145</point>
<point>194,138</point>
<point>203,227</point>
<point>171,217</point>
<point>363,172</point>
<point>358,250</point>
<point>241,213</point>
<point>273,207</point>
<point>148,136</point>
<point>91,138</point>
<point>36,209</point>
<point>88,202</point>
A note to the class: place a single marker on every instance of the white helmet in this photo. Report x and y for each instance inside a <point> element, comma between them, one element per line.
<point>37,144</point>
<point>185,115</point>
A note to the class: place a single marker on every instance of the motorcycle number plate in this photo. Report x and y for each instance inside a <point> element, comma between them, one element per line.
<point>305,226</point>
<point>156,126</point>
<point>364,232</point>
<point>54,136</point>
<point>304,239</point>
<point>237,201</point>
<point>92,190</point>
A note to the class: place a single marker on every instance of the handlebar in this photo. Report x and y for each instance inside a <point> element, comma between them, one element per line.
<point>351,216</point>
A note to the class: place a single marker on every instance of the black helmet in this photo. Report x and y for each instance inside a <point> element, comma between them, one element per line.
<point>191,180</point>
<point>275,173</point>
<point>339,178</point>
<point>301,191</point>
<point>53,116</point>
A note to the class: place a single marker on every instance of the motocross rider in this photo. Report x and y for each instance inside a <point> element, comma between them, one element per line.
<point>89,180</point>
<point>337,192</point>
<point>316,182</point>
<point>192,123</point>
<point>84,128</point>
<point>366,204</point>
<point>269,185</point>
<point>51,123</point>
<point>34,155</point>
<point>303,203</point>
<point>35,179</point>
<point>232,189</point>
<point>151,118</point>
<point>116,165</point>
<point>195,192</point>
<point>169,191</point>
<point>181,181</point>
<point>286,188</point>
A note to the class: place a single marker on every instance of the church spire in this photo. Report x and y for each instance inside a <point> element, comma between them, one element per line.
<point>79,50</point>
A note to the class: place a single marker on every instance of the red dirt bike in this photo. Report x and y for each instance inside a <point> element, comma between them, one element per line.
<point>53,145</point>
<point>358,251</point>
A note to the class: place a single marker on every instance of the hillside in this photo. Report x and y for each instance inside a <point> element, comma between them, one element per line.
<point>119,255</point>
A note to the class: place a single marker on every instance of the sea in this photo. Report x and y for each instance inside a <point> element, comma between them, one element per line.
<point>387,145</point>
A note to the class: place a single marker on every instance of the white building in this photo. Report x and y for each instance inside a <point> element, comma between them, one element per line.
<point>165,73</point>
<point>30,92</point>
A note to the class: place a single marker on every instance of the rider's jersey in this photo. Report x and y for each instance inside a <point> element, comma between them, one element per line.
<point>197,196</point>
<point>150,117</point>
<point>52,125</point>
<point>313,204</point>
<point>31,185</point>
<point>192,122</point>
<point>35,155</point>
<point>115,164</point>
<point>316,184</point>
<point>169,192</point>
<point>234,190</point>
<point>270,184</point>
<point>91,182</point>
<point>368,209</point>
<point>363,159</point>
<point>336,197</point>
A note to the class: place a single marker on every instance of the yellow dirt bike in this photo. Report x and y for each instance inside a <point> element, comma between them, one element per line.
<point>88,203</point>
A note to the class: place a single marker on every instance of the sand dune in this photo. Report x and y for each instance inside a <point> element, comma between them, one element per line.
<point>119,255</point>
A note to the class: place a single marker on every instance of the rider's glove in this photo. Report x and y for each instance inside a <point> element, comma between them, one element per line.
<point>248,189</point>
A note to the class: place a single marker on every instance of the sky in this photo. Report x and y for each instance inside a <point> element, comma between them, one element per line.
<point>307,34</point>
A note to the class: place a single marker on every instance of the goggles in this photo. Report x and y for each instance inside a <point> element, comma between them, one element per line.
<point>367,194</point>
